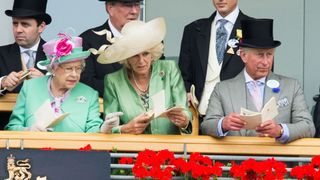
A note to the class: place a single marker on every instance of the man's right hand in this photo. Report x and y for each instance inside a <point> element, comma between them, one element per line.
<point>11,81</point>
<point>232,122</point>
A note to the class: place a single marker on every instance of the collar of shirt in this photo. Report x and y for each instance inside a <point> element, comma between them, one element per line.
<point>114,31</point>
<point>34,48</point>
<point>25,57</point>
<point>248,78</point>
<point>232,17</point>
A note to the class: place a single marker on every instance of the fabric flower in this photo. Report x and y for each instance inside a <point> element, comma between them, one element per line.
<point>63,47</point>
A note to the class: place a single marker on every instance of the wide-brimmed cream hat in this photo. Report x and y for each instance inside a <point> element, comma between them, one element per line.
<point>137,36</point>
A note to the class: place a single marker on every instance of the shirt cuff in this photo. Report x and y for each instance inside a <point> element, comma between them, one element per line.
<point>219,129</point>
<point>285,136</point>
<point>1,88</point>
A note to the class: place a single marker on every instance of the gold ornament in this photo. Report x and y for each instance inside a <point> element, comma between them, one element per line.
<point>18,171</point>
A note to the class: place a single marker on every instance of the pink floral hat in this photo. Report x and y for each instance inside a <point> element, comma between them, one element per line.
<point>64,49</point>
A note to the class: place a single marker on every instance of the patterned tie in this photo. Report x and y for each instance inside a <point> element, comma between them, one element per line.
<point>221,39</point>
<point>31,60</point>
<point>255,93</point>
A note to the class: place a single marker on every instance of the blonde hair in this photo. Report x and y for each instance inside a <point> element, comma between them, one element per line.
<point>156,52</point>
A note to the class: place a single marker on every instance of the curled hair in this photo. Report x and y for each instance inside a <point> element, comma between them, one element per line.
<point>156,52</point>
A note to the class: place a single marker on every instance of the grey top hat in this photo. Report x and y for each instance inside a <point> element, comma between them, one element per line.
<point>30,8</point>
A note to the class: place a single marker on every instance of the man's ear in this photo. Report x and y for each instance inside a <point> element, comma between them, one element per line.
<point>42,27</point>
<point>243,55</point>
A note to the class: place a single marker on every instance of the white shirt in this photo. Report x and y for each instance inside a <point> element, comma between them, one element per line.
<point>114,31</point>
<point>25,56</point>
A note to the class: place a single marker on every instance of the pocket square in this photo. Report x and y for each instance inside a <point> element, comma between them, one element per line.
<point>283,102</point>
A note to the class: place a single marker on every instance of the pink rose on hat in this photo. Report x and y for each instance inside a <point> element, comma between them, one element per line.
<point>63,47</point>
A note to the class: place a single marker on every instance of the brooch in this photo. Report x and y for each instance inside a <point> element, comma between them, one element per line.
<point>274,85</point>
<point>81,99</point>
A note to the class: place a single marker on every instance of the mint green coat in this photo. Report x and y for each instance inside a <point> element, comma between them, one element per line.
<point>119,95</point>
<point>82,104</point>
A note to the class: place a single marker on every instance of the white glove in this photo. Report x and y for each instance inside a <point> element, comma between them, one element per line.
<point>111,120</point>
<point>36,128</point>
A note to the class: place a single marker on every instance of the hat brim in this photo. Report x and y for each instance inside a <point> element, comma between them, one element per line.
<point>139,39</point>
<point>261,46</point>
<point>27,13</point>
<point>73,57</point>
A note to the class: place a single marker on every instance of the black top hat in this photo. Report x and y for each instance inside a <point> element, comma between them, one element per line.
<point>258,33</point>
<point>124,1</point>
<point>30,8</point>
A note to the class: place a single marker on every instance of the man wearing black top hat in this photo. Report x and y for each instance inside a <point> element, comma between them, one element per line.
<point>120,12</point>
<point>253,88</point>
<point>29,19</point>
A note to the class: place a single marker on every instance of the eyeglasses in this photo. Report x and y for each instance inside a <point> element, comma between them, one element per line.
<point>70,69</point>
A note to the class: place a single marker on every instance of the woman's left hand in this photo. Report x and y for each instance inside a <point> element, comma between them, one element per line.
<point>178,118</point>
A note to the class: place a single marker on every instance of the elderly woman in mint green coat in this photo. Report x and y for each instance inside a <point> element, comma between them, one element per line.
<point>130,89</point>
<point>61,90</point>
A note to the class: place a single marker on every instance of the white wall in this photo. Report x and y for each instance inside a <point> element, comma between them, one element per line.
<point>5,23</point>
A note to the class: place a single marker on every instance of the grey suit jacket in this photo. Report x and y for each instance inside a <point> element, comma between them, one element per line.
<point>230,95</point>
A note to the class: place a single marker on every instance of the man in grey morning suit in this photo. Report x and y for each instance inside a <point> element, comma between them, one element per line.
<point>257,49</point>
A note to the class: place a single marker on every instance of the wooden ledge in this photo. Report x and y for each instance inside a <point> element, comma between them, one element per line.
<point>175,143</point>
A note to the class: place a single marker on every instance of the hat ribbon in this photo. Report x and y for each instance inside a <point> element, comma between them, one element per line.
<point>104,46</point>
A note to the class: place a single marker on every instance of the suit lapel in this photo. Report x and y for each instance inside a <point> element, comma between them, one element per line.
<point>13,60</point>
<point>203,42</point>
<point>40,55</point>
<point>268,93</point>
<point>237,25</point>
<point>238,95</point>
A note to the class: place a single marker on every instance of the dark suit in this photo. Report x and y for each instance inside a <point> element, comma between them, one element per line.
<point>193,58</point>
<point>10,60</point>
<point>94,72</point>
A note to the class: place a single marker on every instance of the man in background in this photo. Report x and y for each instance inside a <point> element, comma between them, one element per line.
<point>29,19</point>
<point>253,88</point>
<point>208,52</point>
<point>120,12</point>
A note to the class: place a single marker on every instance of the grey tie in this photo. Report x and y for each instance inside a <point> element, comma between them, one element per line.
<point>31,60</point>
<point>221,39</point>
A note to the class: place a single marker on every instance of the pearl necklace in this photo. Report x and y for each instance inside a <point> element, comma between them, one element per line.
<point>139,88</point>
